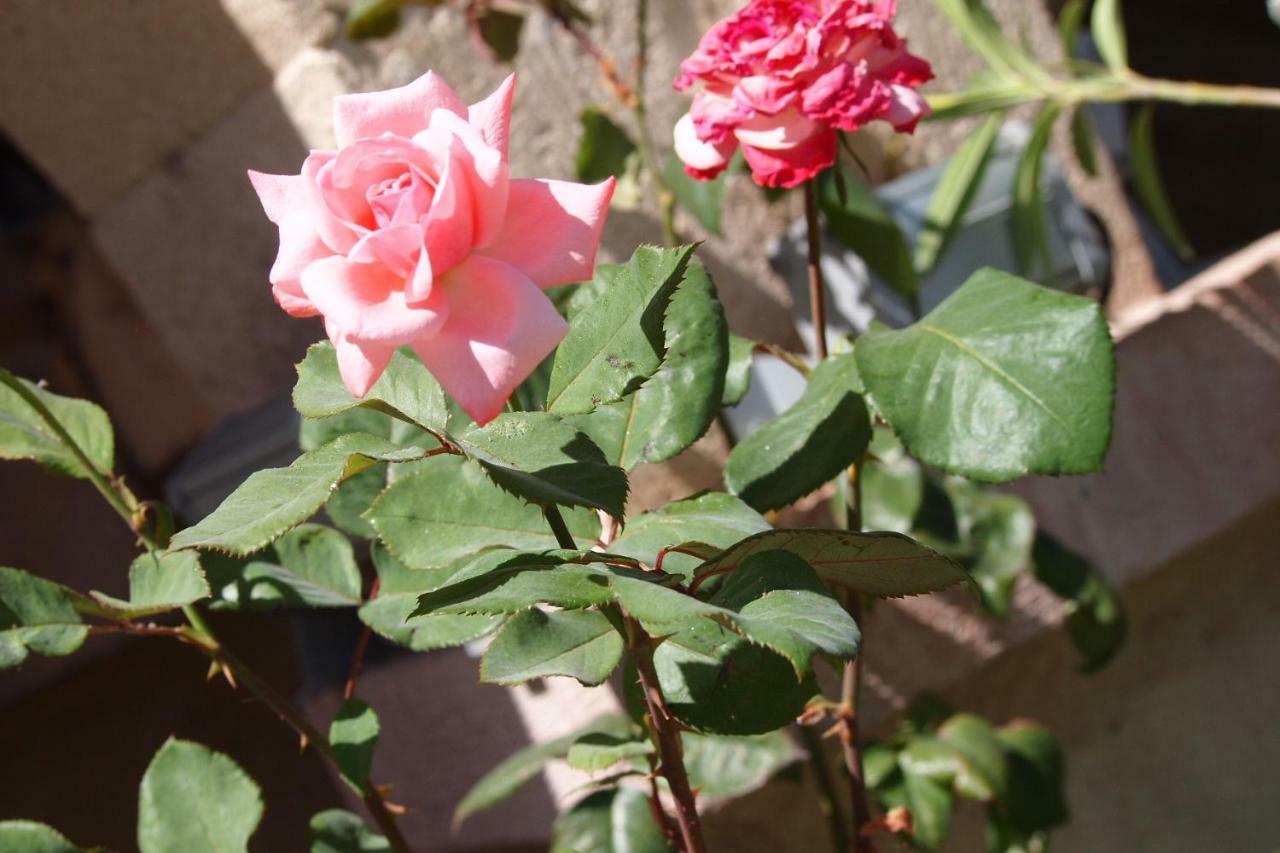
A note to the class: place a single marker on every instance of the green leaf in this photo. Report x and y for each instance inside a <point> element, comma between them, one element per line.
<point>582,645</point>
<point>390,613</point>
<point>983,773</point>
<point>715,681</point>
<point>196,800</point>
<point>502,581</point>
<point>955,191</point>
<point>353,734</point>
<point>979,28</point>
<point>594,752</point>
<point>338,831</point>
<point>1107,26</point>
<point>372,19</point>
<point>38,425</point>
<point>499,30</point>
<point>997,531</point>
<point>543,459</point>
<point>1082,140</point>
<point>617,341</point>
<point>678,403</point>
<point>1030,222</point>
<point>618,820</point>
<point>27,836</point>
<point>406,390</point>
<point>522,767</point>
<point>1035,801</point>
<point>737,377</point>
<point>1150,187</point>
<point>310,566</point>
<point>160,581</point>
<point>861,222</point>
<point>892,486</point>
<point>714,518</point>
<point>1096,619</point>
<point>274,500</point>
<point>603,149</point>
<point>930,803</point>
<point>425,531</point>
<point>701,199</point>
<point>1070,20</point>
<point>722,767</point>
<point>826,431</point>
<point>980,99</point>
<point>1004,378</point>
<point>879,564</point>
<point>38,616</point>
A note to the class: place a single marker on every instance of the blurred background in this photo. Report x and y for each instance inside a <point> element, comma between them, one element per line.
<point>133,264</point>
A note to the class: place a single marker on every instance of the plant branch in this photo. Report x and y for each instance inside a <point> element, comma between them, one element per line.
<point>827,803</point>
<point>556,521</point>
<point>362,646</point>
<point>817,295</point>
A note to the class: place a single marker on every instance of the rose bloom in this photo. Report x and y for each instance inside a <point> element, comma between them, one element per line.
<point>411,233</point>
<point>782,76</point>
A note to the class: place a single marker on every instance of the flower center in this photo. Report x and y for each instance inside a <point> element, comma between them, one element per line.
<point>386,199</point>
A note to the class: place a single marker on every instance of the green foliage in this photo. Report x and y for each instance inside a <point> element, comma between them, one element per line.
<point>499,31</point>
<point>38,616</point>
<point>679,402</point>
<point>995,532</point>
<point>722,767</point>
<point>582,645</point>
<point>955,191</point>
<point>353,734</point>
<point>372,19</point>
<point>194,799</point>
<point>1070,20</point>
<point>826,431</point>
<point>713,518</point>
<point>406,390</point>
<point>1107,26</point>
<point>604,148</point>
<point>703,200</point>
<point>450,510</point>
<point>1004,378</point>
<point>67,436</point>
<point>27,836</point>
<point>979,28</point>
<point>737,377</point>
<point>1096,621</point>
<point>597,751</point>
<point>861,222</point>
<point>1149,185</point>
<point>338,831</point>
<point>617,341</point>
<point>160,581</point>
<point>310,566</point>
<point>1030,219</point>
<point>618,820</point>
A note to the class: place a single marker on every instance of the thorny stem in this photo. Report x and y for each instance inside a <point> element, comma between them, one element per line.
<point>817,297</point>
<point>826,789</point>
<point>362,646</point>
<point>556,522</point>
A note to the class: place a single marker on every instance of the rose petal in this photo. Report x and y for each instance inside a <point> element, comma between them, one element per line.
<point>284,198</point>
<point>552,229</point>
<point>403,111</point>
<point>338,235</point>
<point>906,109</point>
<point>360,363</point>
<point>500,328</point>
<point>790,167</point>
<point>492,116</point>
<point>397,248</point>
<point>701,159</point>
<point>788,129</point>
<point>366,302</point>
<point>483,167</point>
<point>449,227</point>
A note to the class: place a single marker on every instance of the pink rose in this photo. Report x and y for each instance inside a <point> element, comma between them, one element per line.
<point>411,233</point>
<point>782,76</point>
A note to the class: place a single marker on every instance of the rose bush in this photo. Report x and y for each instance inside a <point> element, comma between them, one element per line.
<point>412,233</point>
<point>780,77</point>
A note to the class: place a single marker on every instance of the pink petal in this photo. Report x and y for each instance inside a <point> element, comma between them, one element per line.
<point>906,109</point>
<point>337,234</point>
<point>397,248</point>
<point>492,116</point>
<point>500,328</point>
<point>788,129</point>
<point>481,167</point>
<point>449,227</point>
<point>360,362</point>
<point>552,229</point>
<point>703,160</point>
<point>284,199</point>
<point>791,167</point>
<point>403,111</point>
<point>366,302</point>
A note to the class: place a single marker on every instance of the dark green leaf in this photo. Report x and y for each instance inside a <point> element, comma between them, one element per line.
<point>371,19</point>
<point>160,581</point>
<point>983,773</point>
<point>274,500</point>
<point>310,566</point>
<point>1096,619</point>
<point>879,564</point>
<point>338,831</point>
<point>702,199</point>
<point>1150,186</point>
<point>1107,26</point>
<point>1035,800</point>
<point>41,426</point>
<point>722,767</point>
<point>353,734</point>
<point>582,645</point>
<point>406,390</point>
<point>500,32</point>
<point>892,486</point>
<point>1030,220</point>
<point>679,402</point>
<point>1083,141</point>
<point>955,191</point>
<point>930,802</point>
<point>502,581</point>
<point>981,99</point>
<point>196,800</point>
<point>714,518</point>
<point>594,752</point>
<point>427,531</point>
<point>997,531</point>
<point>603,149</point>
<point>1002,379</point>
<point>38,616</point>
<point>1070,20</point>
<point>618,820</point>
<point>861,222</point>
<point>541,458</point>
<point>826,431</point>
<point>500,783</point>
<point>617,341</point>
<point>27,836</point>
<point>737,377</point>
